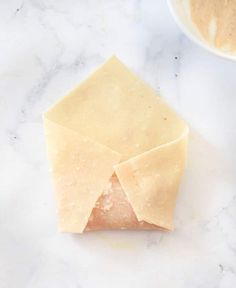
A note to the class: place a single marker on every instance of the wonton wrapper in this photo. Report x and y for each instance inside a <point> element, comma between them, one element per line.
<point>117,153</point>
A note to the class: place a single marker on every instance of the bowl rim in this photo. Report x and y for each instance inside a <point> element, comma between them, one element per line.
<point>193,37</point>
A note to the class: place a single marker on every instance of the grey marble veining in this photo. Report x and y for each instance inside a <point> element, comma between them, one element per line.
<point>47,47</point>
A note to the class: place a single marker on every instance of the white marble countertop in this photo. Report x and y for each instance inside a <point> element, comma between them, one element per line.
<point>48,46</point>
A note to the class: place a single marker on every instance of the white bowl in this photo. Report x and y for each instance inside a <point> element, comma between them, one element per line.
<point>179,11</point>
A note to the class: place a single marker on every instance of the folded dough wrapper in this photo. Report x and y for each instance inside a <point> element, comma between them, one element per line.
<point>114,131</point>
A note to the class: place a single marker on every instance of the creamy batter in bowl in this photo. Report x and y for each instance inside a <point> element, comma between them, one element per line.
<point>209,23</point>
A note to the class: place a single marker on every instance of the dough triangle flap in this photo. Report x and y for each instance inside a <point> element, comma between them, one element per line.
<point>151,181</point>
<point>81,169</point>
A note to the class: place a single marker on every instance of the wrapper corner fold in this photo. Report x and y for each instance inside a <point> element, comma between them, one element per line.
<point>117,153</point>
